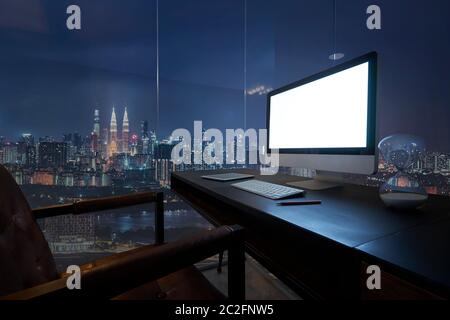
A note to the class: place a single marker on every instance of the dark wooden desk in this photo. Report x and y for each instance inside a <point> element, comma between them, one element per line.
<point>319,250</point>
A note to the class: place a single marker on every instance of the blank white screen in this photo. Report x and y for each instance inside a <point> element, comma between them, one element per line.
<point>328,113</point>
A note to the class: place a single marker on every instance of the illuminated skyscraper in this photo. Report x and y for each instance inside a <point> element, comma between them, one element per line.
<point>125,132</point>
<point>144,143</point>
<point>97,122</point>
<point>113,134</point>
<point>105,142</point>
<point>153,142</point>
<point>95,135</point>
<point>9,153</point>
<point>144,129</point>
<point>27,150</point>
<point>94,143</point>
<point>134,144</point>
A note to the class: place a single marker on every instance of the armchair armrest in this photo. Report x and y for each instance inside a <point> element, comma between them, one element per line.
<point>109,203</point>
<point>142,266</point>
<point>94,205</point>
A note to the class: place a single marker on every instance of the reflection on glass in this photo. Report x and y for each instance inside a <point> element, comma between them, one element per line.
<point>402,190</point>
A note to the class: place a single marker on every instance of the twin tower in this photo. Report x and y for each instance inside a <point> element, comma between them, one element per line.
<point>117,145</point>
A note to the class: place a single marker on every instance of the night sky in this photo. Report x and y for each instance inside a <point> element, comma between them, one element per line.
<point>51,79</point>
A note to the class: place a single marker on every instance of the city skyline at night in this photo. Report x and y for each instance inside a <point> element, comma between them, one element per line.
<point>83,160</point>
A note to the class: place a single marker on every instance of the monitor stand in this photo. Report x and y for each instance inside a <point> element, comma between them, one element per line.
<point>322,181</point>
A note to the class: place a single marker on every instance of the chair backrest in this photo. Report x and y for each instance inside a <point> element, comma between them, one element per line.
<point>25,258</point>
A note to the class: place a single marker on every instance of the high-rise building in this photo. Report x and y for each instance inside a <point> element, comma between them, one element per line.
<point>73,140</point>
<point>163,169</point>
<point>125,132</point>
<point>145,145</point>
<point>52,154</point>
<point>164,151</point>
<point>28,139</point>
<point>145,140</point>
<point>134,145</point>
<point>144,129</point>
<point>27,150</point>
<point>9,153</point>
<point>153,142</point>
<point>30,157</point>
<point>95,135</point>
<point>97,122</point>
<point>94,143</point>
<point>113,134</point>
<point>105,142</point>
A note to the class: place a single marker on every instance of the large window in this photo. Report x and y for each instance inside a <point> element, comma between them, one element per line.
<point>202,64</point>
<point>413,76</point>
<point>79,119</point>
<point>89,113</point>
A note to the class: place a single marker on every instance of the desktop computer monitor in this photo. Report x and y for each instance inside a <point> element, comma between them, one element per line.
<point>327,122</point>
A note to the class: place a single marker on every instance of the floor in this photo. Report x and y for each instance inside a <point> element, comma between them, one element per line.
<point>260,283</point>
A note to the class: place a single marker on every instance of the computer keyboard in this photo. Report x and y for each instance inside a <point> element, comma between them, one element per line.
<point>268,190</point>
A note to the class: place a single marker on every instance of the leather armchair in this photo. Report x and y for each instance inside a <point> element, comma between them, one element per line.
<point>160,271</point>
